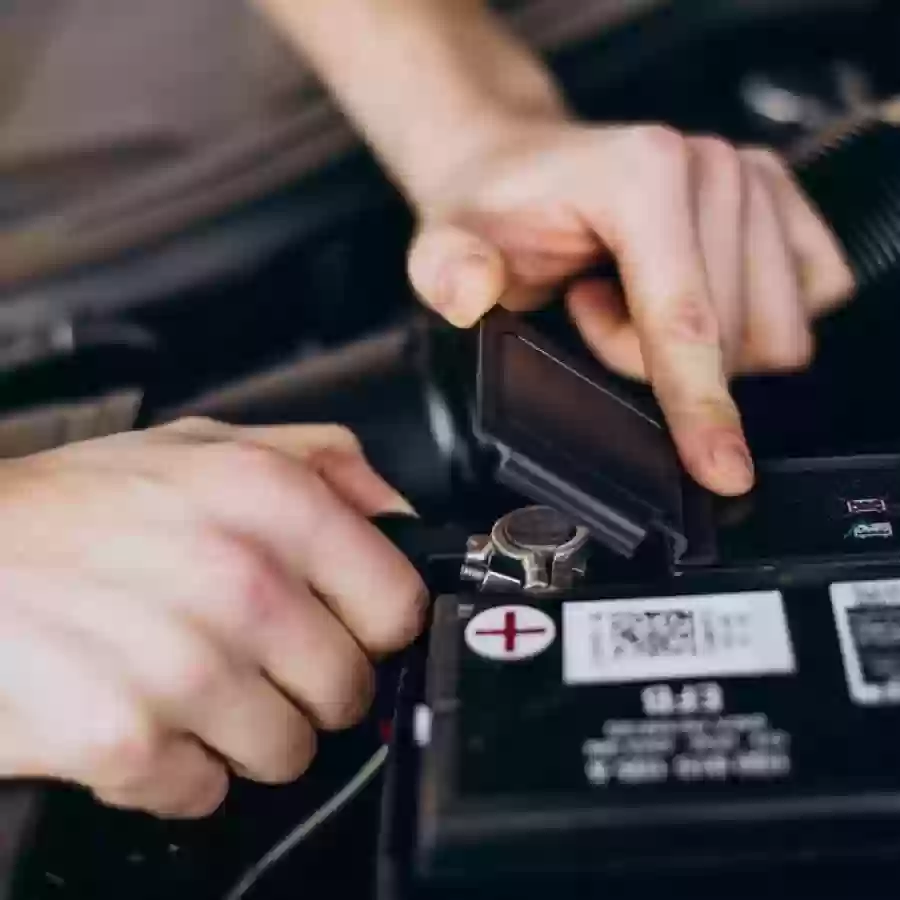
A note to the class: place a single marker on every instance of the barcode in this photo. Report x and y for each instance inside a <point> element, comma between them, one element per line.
<point>667,633</point>
<point>867,615</point>
<point>656,638</point>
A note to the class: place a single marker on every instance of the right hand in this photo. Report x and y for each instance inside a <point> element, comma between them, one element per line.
<point>188,600</point>
<point>724,262</point>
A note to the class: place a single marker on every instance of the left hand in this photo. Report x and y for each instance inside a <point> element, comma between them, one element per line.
<point>723,261</point>
<point>189,599</point>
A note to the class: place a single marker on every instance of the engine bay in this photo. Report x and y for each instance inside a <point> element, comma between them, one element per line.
<point>293,305</point>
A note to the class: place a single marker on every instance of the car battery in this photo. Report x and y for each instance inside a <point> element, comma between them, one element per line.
<point>637,687</point>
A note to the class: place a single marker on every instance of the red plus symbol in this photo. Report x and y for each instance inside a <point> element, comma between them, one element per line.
<point>509,632</point>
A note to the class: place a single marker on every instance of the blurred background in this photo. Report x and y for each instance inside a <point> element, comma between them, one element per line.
<point>187,224</point>
<point>172,167</point>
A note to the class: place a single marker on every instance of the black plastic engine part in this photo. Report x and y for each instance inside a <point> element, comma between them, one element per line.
<point>854,178</point>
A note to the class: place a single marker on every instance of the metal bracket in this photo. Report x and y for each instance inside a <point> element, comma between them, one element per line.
<point>533,550</point>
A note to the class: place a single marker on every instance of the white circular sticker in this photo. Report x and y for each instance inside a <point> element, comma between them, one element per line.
<point>510,633</point>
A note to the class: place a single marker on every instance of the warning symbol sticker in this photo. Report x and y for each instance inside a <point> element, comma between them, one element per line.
<point>868,623</point>
<point>510,633</point>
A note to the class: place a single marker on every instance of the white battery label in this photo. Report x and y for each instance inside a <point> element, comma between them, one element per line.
<point>660,638</point>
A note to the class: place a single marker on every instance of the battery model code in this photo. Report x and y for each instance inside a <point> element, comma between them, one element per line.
<point>687,748</point>
<point>687,734</point>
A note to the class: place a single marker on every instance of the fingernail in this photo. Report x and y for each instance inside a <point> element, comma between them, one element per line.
<point>354,479</point>
<point>367,487</point>
<point>397,504</point>
<point>733,465</point>
<point>466,290</point>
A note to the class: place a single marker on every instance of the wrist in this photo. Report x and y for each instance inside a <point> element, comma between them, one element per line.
<point>434,161</point>
<point>430,84</point>
<point>476,90</point>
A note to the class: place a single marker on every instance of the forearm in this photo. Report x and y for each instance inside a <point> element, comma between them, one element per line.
<point>428,82</point>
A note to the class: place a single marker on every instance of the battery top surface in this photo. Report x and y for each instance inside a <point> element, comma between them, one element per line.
<point>729,716</point>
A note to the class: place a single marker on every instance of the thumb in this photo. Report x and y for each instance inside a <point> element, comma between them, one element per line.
<point>457,273</point>
<point>332,451</point>
<point>336,454</point>
<point>19,748</point>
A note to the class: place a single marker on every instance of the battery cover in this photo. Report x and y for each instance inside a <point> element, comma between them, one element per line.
<point>569,436</point>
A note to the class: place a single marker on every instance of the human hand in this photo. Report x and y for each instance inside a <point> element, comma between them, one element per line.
<point>723,262</point>
<point>190,599</point>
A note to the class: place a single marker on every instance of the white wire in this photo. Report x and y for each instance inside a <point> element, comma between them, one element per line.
<point>301,832</point>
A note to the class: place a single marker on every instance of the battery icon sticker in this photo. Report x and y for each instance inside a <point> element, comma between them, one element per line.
<point>867,505</point>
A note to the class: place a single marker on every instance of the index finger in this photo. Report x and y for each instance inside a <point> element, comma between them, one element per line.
<point>826,277</point>
<point>329,449</point>
<point>318,539</point>
<point>649,223</point>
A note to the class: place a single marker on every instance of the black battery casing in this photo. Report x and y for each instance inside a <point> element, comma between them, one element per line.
<point>510,779</point>
<point>717,710</point>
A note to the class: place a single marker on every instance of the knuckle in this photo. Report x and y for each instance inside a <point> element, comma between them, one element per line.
<point>297,759</point>
<point>196,427</point>
<point>693,385</point>
<point>247,590</point>
<point>197,677</point>
<point>252,462</point>
<point>689,320</point>
<point>121,746</point>
<point>197,800</point>
<point>765,158</point>
<point>197,791</point>
<point>207,801</point>
<point>194,423</point>
<point>711,409</point>
<point>340,437</point>
<point>350,695</point>
<point>759,194</point>
<point>267,476</point>
<point>394,626</point>
<point>721,161</point>
<point>333,446</point>
<point>661,143</point>
<point>715,147</point>
<point>235,584</point>
<point>834,290</point>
